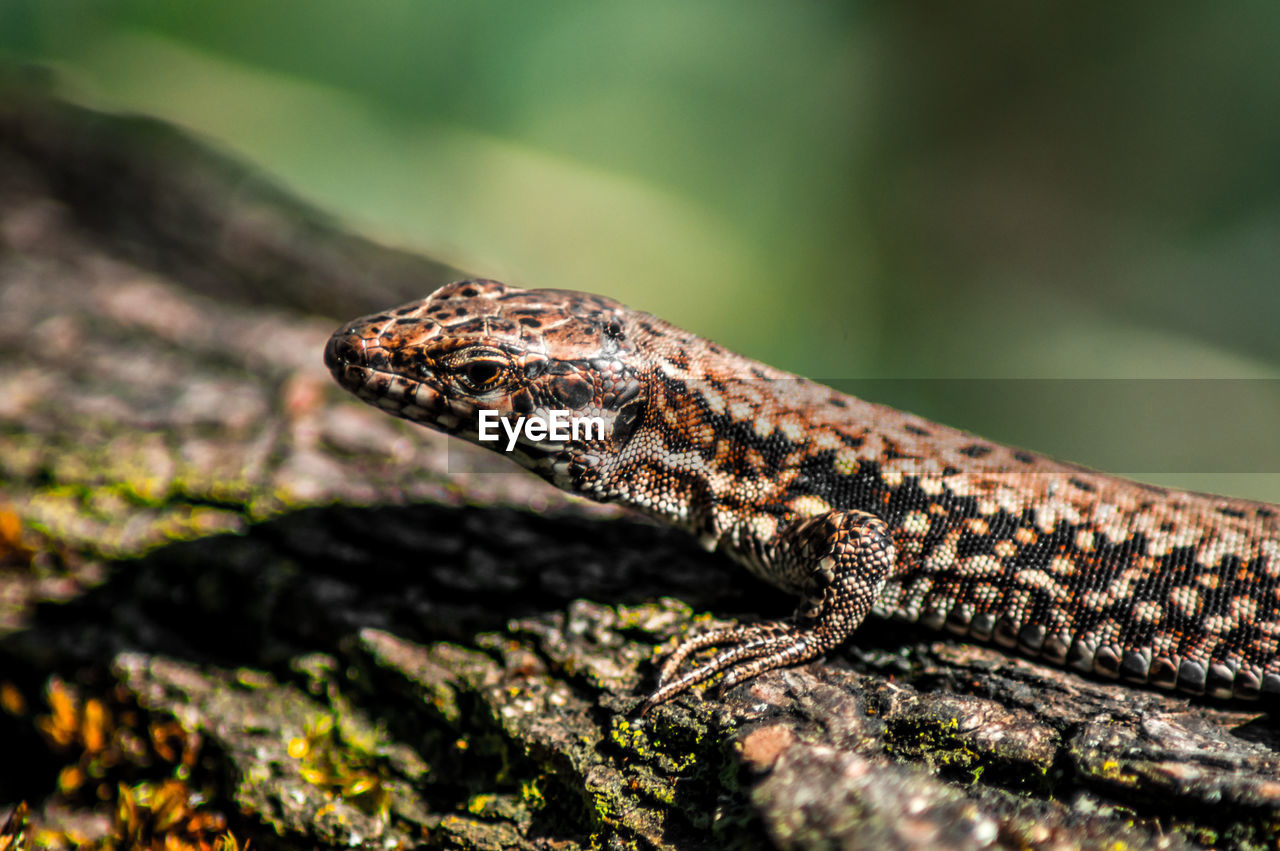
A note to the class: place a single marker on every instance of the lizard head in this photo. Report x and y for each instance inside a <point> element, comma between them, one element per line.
<point>474,354</point>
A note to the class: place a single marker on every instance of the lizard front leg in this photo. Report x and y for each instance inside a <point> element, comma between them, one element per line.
<point>848,555</point>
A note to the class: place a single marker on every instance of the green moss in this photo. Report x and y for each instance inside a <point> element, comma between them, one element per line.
<point>601,841</point>
<point>498,807</point>
<point>340,767</point>
<point>531,794</point>
<point>674,753</point>
<point>937,743</point>
<point>1112,770</point>
<point>118,520</point>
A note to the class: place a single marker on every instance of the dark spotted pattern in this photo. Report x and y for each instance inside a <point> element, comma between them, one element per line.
<point>853,506</point>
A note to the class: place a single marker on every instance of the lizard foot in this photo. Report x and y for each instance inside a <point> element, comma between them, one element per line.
<point>847,555</point>
<point>754,650</point>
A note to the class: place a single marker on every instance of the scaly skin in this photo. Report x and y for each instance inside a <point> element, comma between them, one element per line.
<point>856,507</point>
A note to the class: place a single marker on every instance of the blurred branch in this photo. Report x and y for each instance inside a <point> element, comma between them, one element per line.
<point>161,199</point>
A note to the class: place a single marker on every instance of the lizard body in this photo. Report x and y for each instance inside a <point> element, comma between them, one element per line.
<point>856,507</point>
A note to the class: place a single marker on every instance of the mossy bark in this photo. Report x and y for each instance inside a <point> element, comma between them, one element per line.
<point>383,640</point>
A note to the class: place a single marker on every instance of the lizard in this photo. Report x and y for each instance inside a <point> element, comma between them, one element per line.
<point>854,506</point>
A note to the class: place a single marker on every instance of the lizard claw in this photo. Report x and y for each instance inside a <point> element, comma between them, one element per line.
<point>751,650</point>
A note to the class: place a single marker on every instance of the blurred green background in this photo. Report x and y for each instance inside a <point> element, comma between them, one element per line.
<point>853,191</point>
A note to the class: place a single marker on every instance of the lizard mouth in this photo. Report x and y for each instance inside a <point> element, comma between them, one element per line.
<point>363,367</point>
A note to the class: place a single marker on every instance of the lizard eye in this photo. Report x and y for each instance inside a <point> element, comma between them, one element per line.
<point>481,374</point>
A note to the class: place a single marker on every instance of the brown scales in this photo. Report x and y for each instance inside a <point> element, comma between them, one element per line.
<point>855,506</point>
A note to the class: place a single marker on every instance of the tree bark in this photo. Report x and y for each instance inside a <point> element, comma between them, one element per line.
<point>362,635</point>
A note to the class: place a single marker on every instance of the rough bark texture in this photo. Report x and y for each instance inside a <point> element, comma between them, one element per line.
<point>374,639</point>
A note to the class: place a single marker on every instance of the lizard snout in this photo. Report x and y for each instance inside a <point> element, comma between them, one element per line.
<point>340,351</point>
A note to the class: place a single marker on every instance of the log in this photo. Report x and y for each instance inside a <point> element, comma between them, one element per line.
<point>222,572</point>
